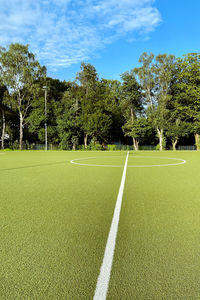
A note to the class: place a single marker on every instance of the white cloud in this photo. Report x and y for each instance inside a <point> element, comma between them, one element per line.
<point>64,32</point>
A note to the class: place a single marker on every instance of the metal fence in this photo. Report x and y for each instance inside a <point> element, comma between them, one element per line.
<point>27,146</point>
<point>110,147</point>
<point>42,147</point>
<point>186,148</point>
<point>147,147</point>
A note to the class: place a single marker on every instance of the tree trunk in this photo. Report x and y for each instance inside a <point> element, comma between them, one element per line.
<point>135,141</point>
<point>85,141</point>
<point>197,141</point>
<point>174,142</point>
<point>3,128</point>
<point>21,132</point>
<point>136,144</point>
<point>74,146</point>
<point>160,135</point>
<point>150,98</point>
<point>132,116</point>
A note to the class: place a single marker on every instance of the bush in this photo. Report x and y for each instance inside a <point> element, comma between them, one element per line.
<point>82,148</point>
<point>111,147</point>
<point>7,149</point>
<point>64,145</point>
<point>15,145</point>
<point>94,146</point>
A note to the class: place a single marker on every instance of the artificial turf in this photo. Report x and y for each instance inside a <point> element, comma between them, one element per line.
<point>157,252</point>
<point>55,218</point>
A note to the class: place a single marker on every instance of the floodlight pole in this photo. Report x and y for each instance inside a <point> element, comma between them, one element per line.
<point>45,110</point>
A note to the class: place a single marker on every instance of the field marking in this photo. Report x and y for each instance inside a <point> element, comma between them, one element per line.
<point>105,271</point>
<point>182,161</point>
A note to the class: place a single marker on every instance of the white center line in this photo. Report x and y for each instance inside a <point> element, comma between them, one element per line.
<point>106,267</point>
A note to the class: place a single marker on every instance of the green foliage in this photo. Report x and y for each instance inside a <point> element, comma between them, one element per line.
<point>94,146</point>
<point>66,142</point>
<point>178,129</point>
<point>15,145</point>
<point>162,95</point>
<point>82,148</point>
<point>87,76</point>
<point>7,149</point>
<point>187,90</point>
<point>23,76</point>
<point>155,76</point>
<point>146,77</point>
<point>163,144</point>
<point>68,119</point>
<point>36,118</point>
<point>131,95</point>
<point>137,129</point>
<point>95,117</point>
<point>111,97</point>
<point>111,147</point>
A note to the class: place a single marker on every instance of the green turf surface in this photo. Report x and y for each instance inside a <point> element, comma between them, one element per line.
<point>55,218</point>
<point>157,252</point>
<point>54,221</point>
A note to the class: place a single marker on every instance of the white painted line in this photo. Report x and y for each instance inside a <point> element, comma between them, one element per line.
<point>181,162</point>
<point>74,161</point>
<point>104,276</point>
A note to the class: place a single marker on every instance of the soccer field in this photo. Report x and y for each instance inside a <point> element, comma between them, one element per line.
<point>56,210</point>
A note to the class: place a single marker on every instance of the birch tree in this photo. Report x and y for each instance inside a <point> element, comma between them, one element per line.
<point>3,91</point>
<point>146,78</point>
<point>155,76</point>
<point>137,129</point>
<point>163,69</point>
<point>176,130</point>
<point>131,105</point>
<point>20,73</point>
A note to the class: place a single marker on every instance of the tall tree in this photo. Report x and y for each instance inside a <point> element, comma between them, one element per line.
<point>21,74</point>
<point>95,119</point>
<point>36,119</point>
<point>163,69</point>
<point>175,130</point>
<point>3,91</point>
<point>137,129</point>
<point>155,77</point>
<point>146,78</point>
<point>132,105</point>
<point>68,119</point>
<point>98,119</point>
<point>187,93</point>
<point>87,79</point>
<point>112,104</point>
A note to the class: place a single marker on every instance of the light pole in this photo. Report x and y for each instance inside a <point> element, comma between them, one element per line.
<point>45,111</point>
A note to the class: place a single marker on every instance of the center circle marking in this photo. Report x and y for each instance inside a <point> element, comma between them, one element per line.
<point>180,162</point>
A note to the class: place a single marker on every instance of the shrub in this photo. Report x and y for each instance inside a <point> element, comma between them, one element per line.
<point>15,145</point>
<point>7,149</point>
<point>111,147</point>
<point>64,145</point>
<point>94,146</point>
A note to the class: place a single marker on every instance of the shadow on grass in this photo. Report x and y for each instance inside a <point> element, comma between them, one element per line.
<point>33,166</point>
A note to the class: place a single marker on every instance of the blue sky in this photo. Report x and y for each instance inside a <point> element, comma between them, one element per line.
<point>110,34</point>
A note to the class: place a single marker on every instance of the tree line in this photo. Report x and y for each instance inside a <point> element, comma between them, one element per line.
<point>157,103</point>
